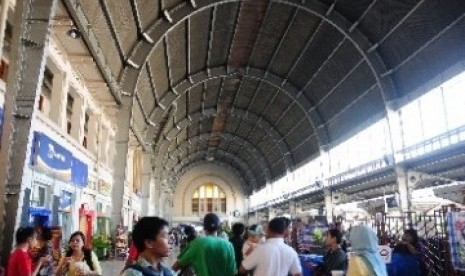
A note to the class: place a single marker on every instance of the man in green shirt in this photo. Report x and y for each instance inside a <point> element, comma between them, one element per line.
<point>209,255</point>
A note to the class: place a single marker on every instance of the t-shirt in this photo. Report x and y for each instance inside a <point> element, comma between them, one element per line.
<point>132,253</point>
<point>160,271</point>
<point>334,260</point>
<point>210,256</point>
<point>273,258</point>
<point>73,265</point>
<point>19,264</point>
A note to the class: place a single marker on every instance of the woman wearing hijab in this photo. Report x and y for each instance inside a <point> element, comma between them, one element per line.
<point>365,259</point>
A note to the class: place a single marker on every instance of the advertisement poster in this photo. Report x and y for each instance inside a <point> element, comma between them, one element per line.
<point>311,235</point>
<point>456,227</point>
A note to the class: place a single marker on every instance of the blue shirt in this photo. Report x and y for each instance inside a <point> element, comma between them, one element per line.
<point>161,271</point>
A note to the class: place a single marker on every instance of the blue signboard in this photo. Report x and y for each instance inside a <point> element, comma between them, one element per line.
<point>39,216</point>
<point>52,158</point>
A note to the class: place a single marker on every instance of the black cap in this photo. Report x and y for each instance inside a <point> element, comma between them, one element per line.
<point>211,222</point>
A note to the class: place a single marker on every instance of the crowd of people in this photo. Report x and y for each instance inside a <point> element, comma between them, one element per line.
<point>254,250</point>
<point>77,260</point>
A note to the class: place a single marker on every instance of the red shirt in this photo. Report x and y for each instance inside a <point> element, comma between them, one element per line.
<point>133,254</point>
<point>19,264</point>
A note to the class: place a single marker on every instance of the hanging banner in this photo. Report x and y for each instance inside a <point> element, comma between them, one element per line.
<point>51,158</point>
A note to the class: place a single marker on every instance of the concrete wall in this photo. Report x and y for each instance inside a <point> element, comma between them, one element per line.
<point>198,176</point>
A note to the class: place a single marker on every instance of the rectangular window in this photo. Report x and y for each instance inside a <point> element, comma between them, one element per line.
<point>86,130</point>
<point>4,70</point>
<point>41,103</point>
<point>84,142</point>
<point>209,204</point>
<point>223,205</point>
<point>195,205</point>
<point>69,112</point>
<point>46,92</point>
<point>39,194</point>
<point>202,205</point>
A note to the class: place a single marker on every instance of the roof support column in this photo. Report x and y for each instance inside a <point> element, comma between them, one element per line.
<point>329,206</point>
<point>146,182</point>
<point>403,188</point>
<point>271,213</point>
<point>395,130</point>
<point>292,208</point>
<point>30,37</point>
<point>120,158</point>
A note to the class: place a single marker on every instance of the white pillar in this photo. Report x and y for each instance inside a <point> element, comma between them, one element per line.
<point>93,134</point>
<point>146,182</point>
<point>26,74</point>
<point>77,120</point>
<point>59,98</point>
<point>329,205</point>
<point>395,133</point>
<point>403,188</point>
<point>120,157</point>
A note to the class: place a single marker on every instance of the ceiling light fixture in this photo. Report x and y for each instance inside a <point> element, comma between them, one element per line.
<point>74,33</point>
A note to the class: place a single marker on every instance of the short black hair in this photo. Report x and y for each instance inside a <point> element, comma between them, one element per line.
<point>277,225</point>
<point>190,232</point>
<point>147,228</point>
<point>238,229</point>
<point>287,221</point>
<point>211,222</point>
<point>46,234</point>
<point>335,233</point>
<point>413,233</point>
<point>23,234</point>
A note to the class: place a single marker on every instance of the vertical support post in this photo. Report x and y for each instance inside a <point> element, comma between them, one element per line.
<point>402,182</point>
<point>329,205</point>
<point>120,158</point>
<point>146,181</point>
<point>30,39</point>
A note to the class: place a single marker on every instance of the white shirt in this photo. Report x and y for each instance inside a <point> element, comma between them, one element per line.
<point>273,258</point>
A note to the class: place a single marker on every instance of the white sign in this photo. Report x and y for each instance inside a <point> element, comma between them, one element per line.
<point>385,252</point>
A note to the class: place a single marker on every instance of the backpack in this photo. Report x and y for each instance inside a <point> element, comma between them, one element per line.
<point>148,272</point>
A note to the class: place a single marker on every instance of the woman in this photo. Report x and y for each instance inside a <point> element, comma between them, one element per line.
<point>78,260</point>
<point>365,259</point>
<point>254,233</point>
<point>45,251</point>
<point>237,240</point>
<point>20,263</point>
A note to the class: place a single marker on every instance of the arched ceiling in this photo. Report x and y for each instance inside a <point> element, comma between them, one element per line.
<point>262,86</point>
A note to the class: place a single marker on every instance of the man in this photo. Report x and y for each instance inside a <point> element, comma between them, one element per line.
<point>209,255</point>
<point>150,237</point>
<point>335,258</point>
<point>274,257</point>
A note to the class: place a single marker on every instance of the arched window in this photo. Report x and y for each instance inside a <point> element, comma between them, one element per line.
<point>209,198</point>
